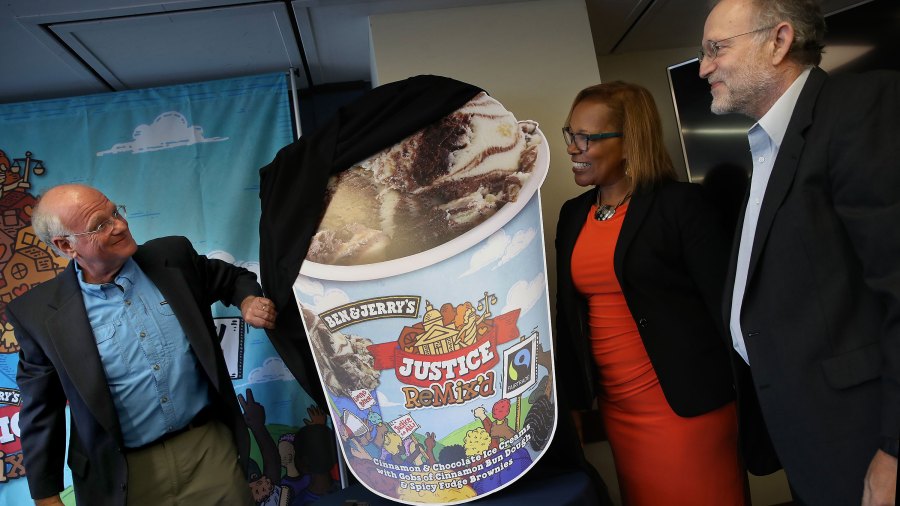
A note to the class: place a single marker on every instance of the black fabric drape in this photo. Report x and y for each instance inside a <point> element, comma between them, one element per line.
<point>292,190</point>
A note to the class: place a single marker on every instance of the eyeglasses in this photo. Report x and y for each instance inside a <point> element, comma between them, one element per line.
<point>581,140</point>
<point>119,213</point>
<point>710,48</point>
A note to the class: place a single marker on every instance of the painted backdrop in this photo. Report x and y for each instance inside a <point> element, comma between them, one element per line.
<point>184,160</point>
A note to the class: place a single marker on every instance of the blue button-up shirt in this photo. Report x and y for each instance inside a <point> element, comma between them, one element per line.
<point>765,138</point>
<point>156,383</point>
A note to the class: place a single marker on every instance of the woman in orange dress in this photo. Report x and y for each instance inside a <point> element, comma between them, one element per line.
<point>641,262</point>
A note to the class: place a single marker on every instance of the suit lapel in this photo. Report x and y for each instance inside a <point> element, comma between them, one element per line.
<point>637,211</point>
<point>728,291</point>
<point>72,336</point>
<point>785,167</point>
<point>174,287</point>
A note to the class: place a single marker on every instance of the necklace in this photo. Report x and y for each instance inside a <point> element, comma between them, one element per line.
<point>607,211</point>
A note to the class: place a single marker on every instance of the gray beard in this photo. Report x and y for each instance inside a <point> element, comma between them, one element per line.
<point>749,96</point>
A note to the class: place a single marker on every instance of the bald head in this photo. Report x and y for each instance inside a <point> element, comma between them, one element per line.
<point>81,223</point>
<point>63,200</point>
<point>47,218</point>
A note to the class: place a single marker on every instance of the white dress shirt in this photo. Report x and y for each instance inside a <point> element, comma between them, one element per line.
<point>765,138</point>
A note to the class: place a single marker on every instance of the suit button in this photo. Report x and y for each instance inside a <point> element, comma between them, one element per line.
<point>643,323</point>
<point>124,486</point>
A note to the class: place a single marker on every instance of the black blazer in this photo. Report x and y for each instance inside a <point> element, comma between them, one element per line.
<point>670,260</point>
<point>821,311</point>
<point>59,362</point>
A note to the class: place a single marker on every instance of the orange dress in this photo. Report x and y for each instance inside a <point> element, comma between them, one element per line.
<point>660,457</point>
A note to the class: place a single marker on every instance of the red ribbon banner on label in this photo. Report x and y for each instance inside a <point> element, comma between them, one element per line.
<point>465,363</point>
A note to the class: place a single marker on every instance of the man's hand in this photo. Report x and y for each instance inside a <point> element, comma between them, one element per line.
<point>49,501</point>
<point>881,481</point>
<point>259,312</point>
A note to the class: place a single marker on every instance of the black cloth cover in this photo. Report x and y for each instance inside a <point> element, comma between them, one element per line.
<point>292,191</point>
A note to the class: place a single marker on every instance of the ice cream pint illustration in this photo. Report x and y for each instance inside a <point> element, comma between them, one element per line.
<point>424,296</point>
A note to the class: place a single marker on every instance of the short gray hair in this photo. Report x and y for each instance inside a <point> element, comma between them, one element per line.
<point>47,226</point>
<point>808,22</point>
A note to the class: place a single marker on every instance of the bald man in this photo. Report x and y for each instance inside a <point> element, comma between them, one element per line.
<point>125,336</point>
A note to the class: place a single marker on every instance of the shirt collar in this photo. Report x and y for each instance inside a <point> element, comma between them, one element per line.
<point>775,121</point>
<point>124,279</point>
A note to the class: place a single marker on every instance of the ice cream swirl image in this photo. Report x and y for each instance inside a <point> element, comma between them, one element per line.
<point>427,189</point>
<point>344,360</point>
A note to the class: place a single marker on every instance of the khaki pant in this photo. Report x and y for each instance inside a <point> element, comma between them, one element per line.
<point>196,468</point>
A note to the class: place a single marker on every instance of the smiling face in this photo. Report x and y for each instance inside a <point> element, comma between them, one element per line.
<point>602,163</point>
<point>742,79</point>
<point>80,209</point>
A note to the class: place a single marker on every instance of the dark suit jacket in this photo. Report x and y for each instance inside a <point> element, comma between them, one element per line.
<point>670,261</point>
<point>821,311</point>
<point>59,362</point>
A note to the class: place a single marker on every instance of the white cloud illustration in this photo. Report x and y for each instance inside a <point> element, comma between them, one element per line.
<point>273,369</point>
<point>519,242</point>
<point>492,250</point>
<point>169,130</point>
<point>322,299</point>
<point>524,294</point>
<point>308,286</point>
<point>384,401</point>
<point>499,249</point>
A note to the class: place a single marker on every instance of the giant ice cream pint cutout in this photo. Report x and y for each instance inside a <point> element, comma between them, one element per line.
<point>425,300</point>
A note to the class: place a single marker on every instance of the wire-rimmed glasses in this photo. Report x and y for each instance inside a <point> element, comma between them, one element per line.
<point>710,48</point>
<point>119,213</point>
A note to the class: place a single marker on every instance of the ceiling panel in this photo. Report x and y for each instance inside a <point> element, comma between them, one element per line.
<point>666,24</point>
<point>336,34</point>
<point>612,20</point>
<point>147,50</point>
<point>625,26</point>
<point>56,48</point>
<point>336,40</point>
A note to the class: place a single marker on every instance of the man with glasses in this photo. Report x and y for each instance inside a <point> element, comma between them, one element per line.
<point>125,337</point>
<point>813,303</point>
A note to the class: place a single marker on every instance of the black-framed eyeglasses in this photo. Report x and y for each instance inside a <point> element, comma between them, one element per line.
<point>581,140</point>
<point>710,48</point>
<point>119,213</point>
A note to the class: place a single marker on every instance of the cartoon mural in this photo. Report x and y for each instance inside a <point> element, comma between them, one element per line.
<point>25,261</point>
<point>184,159</point>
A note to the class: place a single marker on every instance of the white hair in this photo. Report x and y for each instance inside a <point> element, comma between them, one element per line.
<point>47,226</point>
